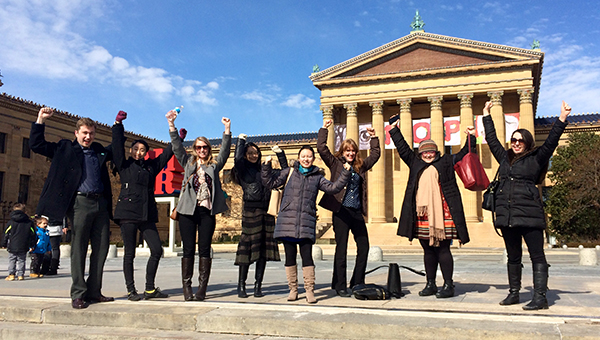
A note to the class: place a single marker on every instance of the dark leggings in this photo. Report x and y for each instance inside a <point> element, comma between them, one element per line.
<point>55,244</point>
<point>150,233</point>
<point>305,252</point>
<point>345,221</point>
<point>202,223</point>
<point>435,255</point>
<point>534,238</point>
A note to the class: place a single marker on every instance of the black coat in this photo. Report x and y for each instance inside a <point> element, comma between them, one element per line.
<point>136,201</point>
<point>19,235</point>
<point>336,165</point>
<point>248,176</point>
<point>445,167</point>
<point>65,172</point>
<point>518,201</point>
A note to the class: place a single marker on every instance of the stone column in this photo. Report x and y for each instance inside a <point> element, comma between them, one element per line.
<point>407,131</point>
<point>325,216</point>
<point>526,119</point>
<point>466,119</point>
<point>351,122</point>
<point>377,175</point>
<point>497,113</point>
<point>437,121</point>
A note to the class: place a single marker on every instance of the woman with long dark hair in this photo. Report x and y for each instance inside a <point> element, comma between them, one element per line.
<point>200,200</point>
<point>297,218</point>
<point>349,206</point>
<point>257,244</point>
<point>432,210</point>
<point>136,207</point>
<point>519,208</point>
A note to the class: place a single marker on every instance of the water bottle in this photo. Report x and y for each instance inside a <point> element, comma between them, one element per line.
<point>178,109</point>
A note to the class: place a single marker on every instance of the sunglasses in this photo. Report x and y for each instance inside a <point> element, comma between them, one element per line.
<point>200,147</point>
<point>515,140</point>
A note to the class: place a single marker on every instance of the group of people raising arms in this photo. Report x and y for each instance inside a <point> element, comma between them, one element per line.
<point>432,210</point>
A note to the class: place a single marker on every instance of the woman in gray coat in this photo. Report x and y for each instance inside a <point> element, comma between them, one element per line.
<point>200,200</point>
<point>297,217</point>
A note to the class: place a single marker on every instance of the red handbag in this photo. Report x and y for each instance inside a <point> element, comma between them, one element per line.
<point>471,172</point>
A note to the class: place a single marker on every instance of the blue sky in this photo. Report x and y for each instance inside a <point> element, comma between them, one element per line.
<point>250,60</point>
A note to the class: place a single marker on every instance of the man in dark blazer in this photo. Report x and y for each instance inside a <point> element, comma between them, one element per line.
<point>78,186</point>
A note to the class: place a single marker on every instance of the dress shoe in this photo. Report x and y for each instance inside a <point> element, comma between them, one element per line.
<point>79,304</point>
<point>100,298</point>
<point>343,293</point>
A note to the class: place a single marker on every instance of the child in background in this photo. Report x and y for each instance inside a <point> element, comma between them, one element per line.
<point>19,237</point>
<point>41,254</point>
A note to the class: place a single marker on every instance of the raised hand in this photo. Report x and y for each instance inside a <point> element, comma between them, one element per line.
<point>470,130</point>
<point>327,123</point>
<point>371,131</point>
<point>486,108</point>
<point>394,120</point>
<point>43,114</point>
<point>565,111</point>
<point>227,122</point>
<point>268,160</point>
<point>121,116</point>
<point>347,166</point>
<point>182,133</point>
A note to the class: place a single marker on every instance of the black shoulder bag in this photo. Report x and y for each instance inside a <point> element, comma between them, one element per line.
<point>489,199</point>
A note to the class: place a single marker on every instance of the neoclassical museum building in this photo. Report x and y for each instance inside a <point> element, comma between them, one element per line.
<point>436,84</point>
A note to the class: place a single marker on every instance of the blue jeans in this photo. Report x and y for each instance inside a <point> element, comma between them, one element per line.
<point>16,263</point>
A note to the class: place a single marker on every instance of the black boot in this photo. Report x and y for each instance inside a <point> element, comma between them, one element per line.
<point>187,271</point>
<point>204,269</point>
<point>430,288</point>
<point>241,288</point>
<point>514,284</point>
<point>540,287</point>
<point>259,273</point>
<point>447,290</point>
<point>53,267</point>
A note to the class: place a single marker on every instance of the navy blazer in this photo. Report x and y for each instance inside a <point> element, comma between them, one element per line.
<point>65,172</point>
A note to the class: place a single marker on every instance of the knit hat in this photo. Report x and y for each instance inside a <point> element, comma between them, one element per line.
<point>427,145</point>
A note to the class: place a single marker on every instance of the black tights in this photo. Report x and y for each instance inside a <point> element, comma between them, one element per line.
<point>534,238</point>
<point>435,255</point>
<point>305,252</point>
<point>150,233</point>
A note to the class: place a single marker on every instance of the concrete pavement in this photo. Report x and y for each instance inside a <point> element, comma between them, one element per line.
<point>43,305</point>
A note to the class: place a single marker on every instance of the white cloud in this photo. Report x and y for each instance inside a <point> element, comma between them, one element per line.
<point>357,23</point>
<point>41,38</point>
<point>299,101</point>
<point>261,97</point>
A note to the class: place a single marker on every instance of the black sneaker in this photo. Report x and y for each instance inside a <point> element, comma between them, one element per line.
<point>155,294</point>
<point>133,296</point>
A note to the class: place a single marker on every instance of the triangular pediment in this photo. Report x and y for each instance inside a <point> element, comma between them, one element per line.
<point>424,52</point>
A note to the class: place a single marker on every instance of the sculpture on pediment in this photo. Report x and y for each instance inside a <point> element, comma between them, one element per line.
<point>316,69</point>
<point>535,45</point>
<point>417,23</point>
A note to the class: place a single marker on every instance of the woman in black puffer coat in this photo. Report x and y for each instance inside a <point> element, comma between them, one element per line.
<point>136,207</point>
<point>432,210</point>
<point>256,241</point>
<point>519,208</point>
<point>297,217</point>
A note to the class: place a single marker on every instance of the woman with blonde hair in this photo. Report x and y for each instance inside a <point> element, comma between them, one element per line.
<point>349,206</point>
<point>200,200</point>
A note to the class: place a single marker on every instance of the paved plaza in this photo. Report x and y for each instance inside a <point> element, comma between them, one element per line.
<point>474,313</point>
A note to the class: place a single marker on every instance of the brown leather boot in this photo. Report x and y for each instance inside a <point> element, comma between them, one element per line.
<point>291,272</point>
<point>309,283</point>
<point>204,274</point>
<point>187,272</point>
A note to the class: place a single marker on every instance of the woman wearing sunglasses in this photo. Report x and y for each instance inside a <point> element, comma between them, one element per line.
<point>519,209</point>
<point>200,200</point>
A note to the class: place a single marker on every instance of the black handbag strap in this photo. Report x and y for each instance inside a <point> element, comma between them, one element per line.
<point>405,267</point>
<point>494,205</point>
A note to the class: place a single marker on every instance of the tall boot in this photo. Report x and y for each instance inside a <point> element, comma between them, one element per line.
<point>309,283</point>
<point>241,288</point>
<point>540,287</point>
<point>514,284</point>
<point>204,269</point>
<point>291,272</point>
<point>259,273</point>
<point>430,288</point>
<point>53,267</point>
<point>187,272</point>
